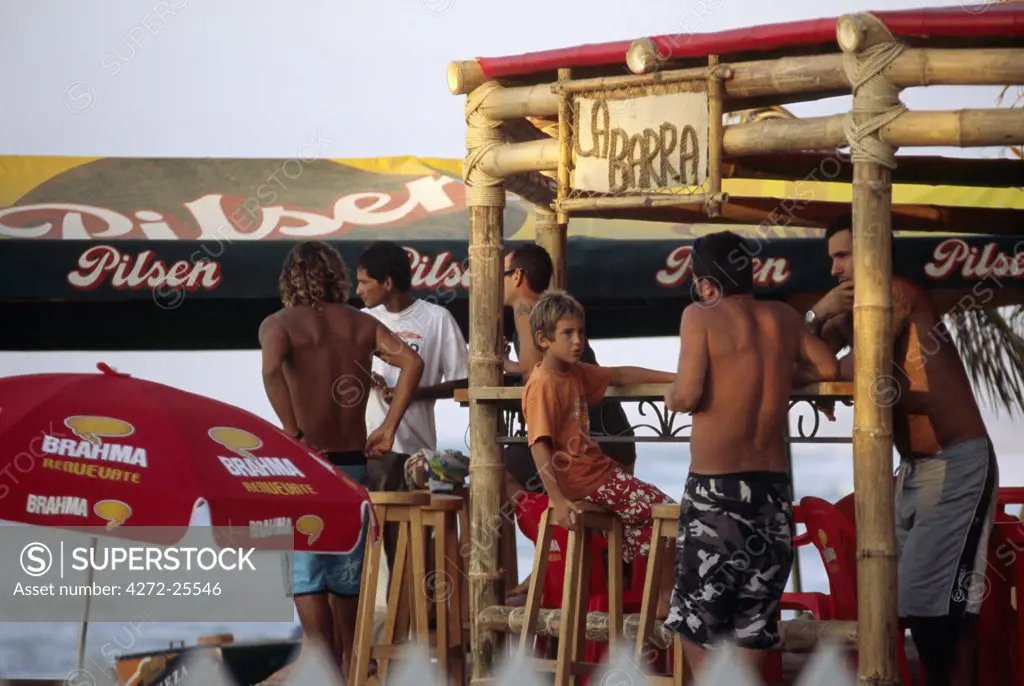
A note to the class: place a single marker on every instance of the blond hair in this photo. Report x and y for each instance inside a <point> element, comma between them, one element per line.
<point>313,273</point>
<point>553,307</point>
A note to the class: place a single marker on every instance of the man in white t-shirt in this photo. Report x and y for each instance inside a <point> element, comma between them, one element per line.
<point>384,280</point>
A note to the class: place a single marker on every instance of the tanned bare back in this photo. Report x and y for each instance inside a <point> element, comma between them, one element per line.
<point>317,354</point>
<point>738,362</point>
<point>753,351</point>
<point>330,353</point>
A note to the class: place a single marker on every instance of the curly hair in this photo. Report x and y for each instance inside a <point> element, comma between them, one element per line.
<point>313,273</point>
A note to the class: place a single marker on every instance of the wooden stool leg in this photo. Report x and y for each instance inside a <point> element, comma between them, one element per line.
<point>419,579</point>
<point>454,564</point>
<point>536,588</point>
<point>464,550</point>
<point>360,664</point>
<point>396,621</point>
<point>579,635</point>
<point>649,602</point>
<point>615,585</point>
<point>441,591</point>
<point>570,600</point>
<point>680,661</point>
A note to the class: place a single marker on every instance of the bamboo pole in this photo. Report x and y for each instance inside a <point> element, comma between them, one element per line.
<point>962,128</point>
<point>795,636</point>
<point>485,197</point>
<point>552,236</point>
<point>564,145</point>
<point>518,158</point>
<point>803,75</point>
<point>958,128</point>
<point>612,202</point>
<point>866,38</point>
<point>630,81</point>
<point>715,126</point>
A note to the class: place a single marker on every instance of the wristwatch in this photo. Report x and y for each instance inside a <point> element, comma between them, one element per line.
<point>298,435</point>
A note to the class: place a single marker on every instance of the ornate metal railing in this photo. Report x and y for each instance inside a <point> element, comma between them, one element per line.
<point>663,426</point>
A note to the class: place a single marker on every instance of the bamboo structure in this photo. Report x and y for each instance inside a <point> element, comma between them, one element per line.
<point>564,157</point>
<point>486,202</point>
<point>795,636</point>
<point>963,129</point>
<point>759,81</point>
<point>875,100</point>
<point>552,236</point>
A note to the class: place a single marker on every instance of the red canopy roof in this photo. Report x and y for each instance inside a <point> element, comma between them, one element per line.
<point>957,22</point>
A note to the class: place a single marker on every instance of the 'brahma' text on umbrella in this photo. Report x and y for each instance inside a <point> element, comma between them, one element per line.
<point>57,505</point>
<point>108,452</point>
<point>261,466</point>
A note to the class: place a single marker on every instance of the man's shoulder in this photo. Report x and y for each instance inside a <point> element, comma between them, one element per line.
<point>275,320</point>
<point>901,285</point>
<point>782,310</point>
<point>375,312</point>
<point>434,310</point>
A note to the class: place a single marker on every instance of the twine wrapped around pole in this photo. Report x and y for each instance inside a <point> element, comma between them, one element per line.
<point>876,99</point>
<point>482,135</point>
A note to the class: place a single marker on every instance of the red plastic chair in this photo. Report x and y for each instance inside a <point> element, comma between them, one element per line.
<point>818,604</point>
<point>836,540</point>
<point>998,625</point>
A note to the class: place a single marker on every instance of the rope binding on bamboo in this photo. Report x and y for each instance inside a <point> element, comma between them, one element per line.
<point>875,96</point>
<point>482,135</point>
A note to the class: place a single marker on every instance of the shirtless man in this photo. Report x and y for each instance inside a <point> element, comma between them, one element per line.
<point>948,476</point>
<point>316,353</point>
<point>739,359</point>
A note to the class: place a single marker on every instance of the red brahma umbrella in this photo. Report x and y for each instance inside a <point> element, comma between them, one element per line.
<point>107,450</point>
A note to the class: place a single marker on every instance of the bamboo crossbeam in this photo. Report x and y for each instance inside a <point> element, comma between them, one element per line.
<point>647,391</point>
<point>962,128</point>
<point>795,636</point>
<point>816,74</point>
<point>617,202</point>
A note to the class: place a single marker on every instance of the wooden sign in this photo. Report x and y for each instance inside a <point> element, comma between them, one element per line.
<point>643,144</point>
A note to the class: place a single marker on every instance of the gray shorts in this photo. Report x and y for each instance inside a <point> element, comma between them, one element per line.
<point>945,505</point>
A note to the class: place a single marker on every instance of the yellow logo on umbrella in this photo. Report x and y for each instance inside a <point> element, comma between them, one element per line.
<point>236,440</point>
<point>310,525</point>
<point>90,428</point>
<point>114,511</point>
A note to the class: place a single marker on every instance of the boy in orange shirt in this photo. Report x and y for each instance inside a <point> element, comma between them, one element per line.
<point>555,400</point>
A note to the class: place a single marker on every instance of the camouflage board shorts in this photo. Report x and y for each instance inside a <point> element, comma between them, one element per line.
<point>734,553</point>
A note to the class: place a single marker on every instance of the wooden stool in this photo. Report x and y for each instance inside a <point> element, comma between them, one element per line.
<point>406,510</point>
<point>448,574</point>
<point>664,530</point>
<point>462,493</point>
<point>575,590</point>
